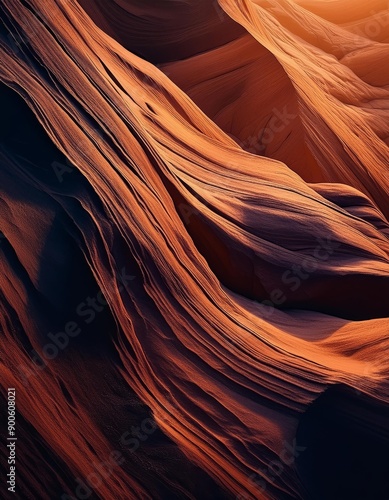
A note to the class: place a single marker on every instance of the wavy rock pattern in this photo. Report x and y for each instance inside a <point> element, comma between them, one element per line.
<point>194,247</point>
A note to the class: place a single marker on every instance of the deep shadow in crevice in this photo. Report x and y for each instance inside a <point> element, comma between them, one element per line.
<point>346,436</point>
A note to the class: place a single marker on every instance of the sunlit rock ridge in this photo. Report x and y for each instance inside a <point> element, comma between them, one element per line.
<point>194,248</point>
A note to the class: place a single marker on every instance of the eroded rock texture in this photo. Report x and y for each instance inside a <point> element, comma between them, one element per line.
<point>194,248</point>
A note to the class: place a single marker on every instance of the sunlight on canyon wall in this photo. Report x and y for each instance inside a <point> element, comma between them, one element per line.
<point>194,248</point>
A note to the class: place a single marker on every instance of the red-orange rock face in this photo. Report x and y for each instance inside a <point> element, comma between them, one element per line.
<point>194,249</point>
